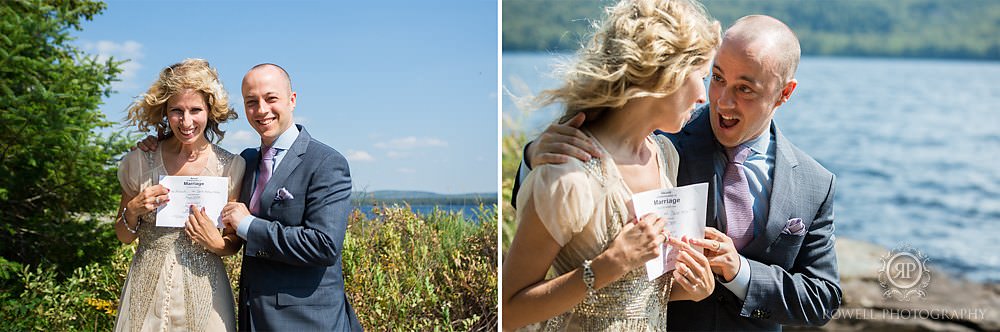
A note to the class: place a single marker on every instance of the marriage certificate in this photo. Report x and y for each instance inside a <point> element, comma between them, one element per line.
<point>210,192</point>
<point>684,208</point>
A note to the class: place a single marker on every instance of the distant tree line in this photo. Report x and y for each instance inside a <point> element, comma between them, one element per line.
<point>966,29</point>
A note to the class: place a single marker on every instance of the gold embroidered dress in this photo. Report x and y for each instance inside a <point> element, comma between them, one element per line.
<point>172,284</point>
<point>583,205</point>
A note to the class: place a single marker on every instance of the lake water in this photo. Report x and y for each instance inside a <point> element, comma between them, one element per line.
<point>914,145</point>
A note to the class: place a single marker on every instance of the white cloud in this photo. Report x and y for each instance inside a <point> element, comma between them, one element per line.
<point>128,50</point>
<point>406,170</point>
<point>301,120</point>
<point>236,141</point>
<point>411,142</point>
<point>396,154</point>
<point>355,155</point>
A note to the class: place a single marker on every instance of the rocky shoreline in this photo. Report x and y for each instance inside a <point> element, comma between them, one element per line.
<point>951,304</point>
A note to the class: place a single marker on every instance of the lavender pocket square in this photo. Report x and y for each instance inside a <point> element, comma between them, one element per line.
<point>794,227</point>
<point>283,194</point>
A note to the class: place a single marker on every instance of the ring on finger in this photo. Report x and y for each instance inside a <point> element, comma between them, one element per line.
<point>718,246</point>
<point>690,275</point>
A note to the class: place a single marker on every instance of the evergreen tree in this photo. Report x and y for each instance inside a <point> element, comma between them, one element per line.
<point>57,172</point>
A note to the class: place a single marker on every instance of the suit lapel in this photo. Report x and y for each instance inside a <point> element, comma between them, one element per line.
<point>716,210</point>
<point>704,147</point>
<point>252,157</point>
<point>699,149</point>
<point>783,193</point>
<point>291,160</point>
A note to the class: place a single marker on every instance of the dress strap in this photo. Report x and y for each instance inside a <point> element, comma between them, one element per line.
<point>148,155</point>
<point>223,159</point>
<point>662,141</point>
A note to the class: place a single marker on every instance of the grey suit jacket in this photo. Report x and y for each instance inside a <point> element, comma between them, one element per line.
<point>292,279</point>
<point>794,278</point>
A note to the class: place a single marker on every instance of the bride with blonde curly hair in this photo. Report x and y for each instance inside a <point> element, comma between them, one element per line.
<point>177,281</point>
<point>642,71</point>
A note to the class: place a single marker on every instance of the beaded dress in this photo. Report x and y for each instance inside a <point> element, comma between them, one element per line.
<point>583,205</point>
<point>173,284</point>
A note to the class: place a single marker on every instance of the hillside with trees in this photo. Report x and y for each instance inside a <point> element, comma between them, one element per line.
<point>897,28</point>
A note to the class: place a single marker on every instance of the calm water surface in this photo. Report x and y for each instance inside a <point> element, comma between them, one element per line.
<point>915,145</point>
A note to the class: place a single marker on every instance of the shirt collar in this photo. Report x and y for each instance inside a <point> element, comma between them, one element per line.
<point>285,140</point>
<point>759,145</point>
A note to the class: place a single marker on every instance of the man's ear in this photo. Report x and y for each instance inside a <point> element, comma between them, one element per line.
<point>786,92</point>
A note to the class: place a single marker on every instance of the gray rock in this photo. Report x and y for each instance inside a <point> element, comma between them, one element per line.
<point>951,304</point>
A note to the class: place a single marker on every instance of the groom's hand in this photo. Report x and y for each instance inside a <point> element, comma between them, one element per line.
<point>721,253</point>
<point>233,213</point>
<point>148,144</point>
<point>559,142</point>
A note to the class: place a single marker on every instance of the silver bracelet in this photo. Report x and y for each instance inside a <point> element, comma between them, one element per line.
<point>121,217</point>
<point>588,279</point>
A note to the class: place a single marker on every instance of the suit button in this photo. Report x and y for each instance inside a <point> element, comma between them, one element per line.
<point>261,253</point>
<point>757,313</point>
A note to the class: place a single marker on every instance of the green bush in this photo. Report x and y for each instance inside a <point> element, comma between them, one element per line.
<point>403,271</point>
<point>37,299</point>
<point>513,142</point>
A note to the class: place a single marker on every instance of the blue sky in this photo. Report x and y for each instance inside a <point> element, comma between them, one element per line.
<point>407,90</point>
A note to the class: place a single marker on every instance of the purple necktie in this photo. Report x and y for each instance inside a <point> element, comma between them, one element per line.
<point>263,175</point>
<point>739,212</point>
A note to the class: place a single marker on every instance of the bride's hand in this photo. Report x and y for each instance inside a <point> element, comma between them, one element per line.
<point>692,271</point>
<point>638,242</point>
<point>201,229</point>
<point>148,200</point>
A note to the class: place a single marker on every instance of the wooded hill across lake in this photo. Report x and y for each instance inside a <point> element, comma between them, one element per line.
<point>965,29</point>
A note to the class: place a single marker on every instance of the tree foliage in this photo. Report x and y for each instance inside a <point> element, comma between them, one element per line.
<point>57,172</point>
<point>902,28</point>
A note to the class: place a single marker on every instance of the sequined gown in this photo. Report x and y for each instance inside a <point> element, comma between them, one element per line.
<point>172,284</point>
<point>583,206</point>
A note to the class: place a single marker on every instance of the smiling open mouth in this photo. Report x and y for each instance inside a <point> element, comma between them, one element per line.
<point>727,122</point>
<point>265,122</point>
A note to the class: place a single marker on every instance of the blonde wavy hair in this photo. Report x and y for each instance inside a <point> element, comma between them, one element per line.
<point>150,108</point>
<point>643,48</point>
